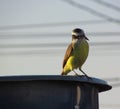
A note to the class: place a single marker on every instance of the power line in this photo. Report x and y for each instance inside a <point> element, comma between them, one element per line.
<point>42,49</point>
<point>105,43</point>
<point>45,51</point>
<point>47,45</point>
<point>113,79</point>
<point>110,105</point>
<point>91,11</point>
<point>41,45</point>
<point>108,5</point>
<point>39,35</point>
<point>32,52</point>
<point>53,24</point>
<point>116,85</point>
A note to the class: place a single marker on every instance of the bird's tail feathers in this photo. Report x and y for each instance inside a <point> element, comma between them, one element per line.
<point>62,73</point>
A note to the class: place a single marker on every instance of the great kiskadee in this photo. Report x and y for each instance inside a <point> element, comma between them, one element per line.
<point>76,53</point>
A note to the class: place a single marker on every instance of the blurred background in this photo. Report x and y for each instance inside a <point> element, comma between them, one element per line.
<point>34,35</point>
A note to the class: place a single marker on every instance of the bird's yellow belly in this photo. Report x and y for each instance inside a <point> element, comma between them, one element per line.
<point>79,55</point>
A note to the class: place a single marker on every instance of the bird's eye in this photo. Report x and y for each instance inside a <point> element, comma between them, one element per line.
<point>75,37</point>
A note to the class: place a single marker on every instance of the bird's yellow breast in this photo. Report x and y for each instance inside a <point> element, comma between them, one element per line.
<point>79,54</point>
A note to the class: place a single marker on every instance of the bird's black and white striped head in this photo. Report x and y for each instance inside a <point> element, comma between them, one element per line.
<point>78,33</point>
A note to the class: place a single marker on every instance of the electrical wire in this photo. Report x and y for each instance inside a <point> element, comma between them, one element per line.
<point>108,5</point>
<point>113,79</point>
<point>53,24</point>
<point>115,85</point>
<point>45,52</point>
<point>33,52</point>
<point>92,11</point>
<point>62,34</point>
<point>55,45</point>
<point>116,106</point>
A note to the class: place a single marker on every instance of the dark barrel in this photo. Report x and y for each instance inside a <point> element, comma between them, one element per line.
<point>50,92</point>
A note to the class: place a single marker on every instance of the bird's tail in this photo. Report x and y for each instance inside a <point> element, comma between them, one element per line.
<point>63,73</point>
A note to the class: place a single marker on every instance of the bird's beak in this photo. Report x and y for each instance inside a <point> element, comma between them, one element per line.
<point>86,38</point>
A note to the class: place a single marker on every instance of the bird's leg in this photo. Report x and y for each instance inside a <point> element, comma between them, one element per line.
<point>75,73</point>
<point>84,73</point>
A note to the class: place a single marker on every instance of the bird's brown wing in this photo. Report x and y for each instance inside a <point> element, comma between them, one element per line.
<point>67,54</point>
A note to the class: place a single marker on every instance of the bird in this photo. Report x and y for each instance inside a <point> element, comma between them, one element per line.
<point>76,53</point>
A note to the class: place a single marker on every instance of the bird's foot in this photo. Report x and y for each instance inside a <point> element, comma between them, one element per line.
<point>76,74</point>
<point>89,78</point>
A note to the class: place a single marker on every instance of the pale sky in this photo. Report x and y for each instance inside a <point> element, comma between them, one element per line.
<point>34,35</point>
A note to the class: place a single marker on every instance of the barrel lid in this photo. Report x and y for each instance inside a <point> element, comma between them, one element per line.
<point>99,83</point>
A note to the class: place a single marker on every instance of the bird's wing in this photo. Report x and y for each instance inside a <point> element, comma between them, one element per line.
<point>67,54</point>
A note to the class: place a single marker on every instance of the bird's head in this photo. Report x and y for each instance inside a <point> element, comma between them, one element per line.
<point>78,33</point>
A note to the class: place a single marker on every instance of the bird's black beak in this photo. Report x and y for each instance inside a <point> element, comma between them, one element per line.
<point>86,38</point>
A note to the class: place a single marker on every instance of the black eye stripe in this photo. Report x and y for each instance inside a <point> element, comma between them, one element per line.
<point>75,36</point>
